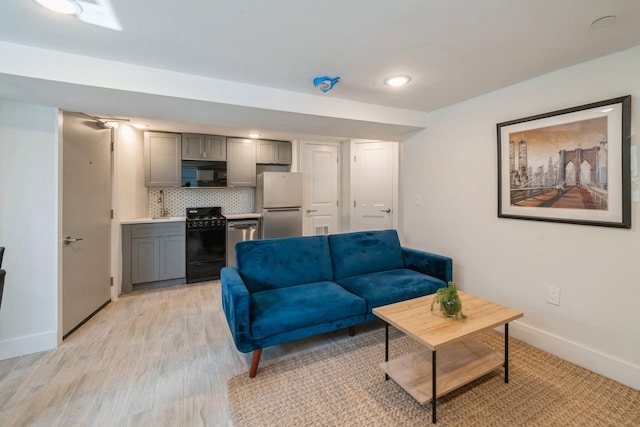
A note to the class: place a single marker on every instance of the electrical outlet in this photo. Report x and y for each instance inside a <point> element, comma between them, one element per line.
<point>553,295</point>
<point>418,200</point>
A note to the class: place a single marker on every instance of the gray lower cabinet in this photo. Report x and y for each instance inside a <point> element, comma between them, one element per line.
<point>152,252</point>
<point>172,257</point>
<point>145,260</point>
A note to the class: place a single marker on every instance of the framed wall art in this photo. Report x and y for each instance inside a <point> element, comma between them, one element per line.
<point>570,166</point>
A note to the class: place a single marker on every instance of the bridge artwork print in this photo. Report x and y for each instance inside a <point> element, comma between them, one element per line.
<point>561,166</point>
<point>567,166</point>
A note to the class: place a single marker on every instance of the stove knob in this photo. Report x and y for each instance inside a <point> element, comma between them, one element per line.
<point>207,223</point>
<point>199,223</point>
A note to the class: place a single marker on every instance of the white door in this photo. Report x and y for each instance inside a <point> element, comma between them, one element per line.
<point>321,189</point>
<point>373,186</point>
<point>86,219</point>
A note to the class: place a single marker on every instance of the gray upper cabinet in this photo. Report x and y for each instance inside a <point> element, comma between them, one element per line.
<point>273,152</point>
<point>162,165</point>
<point>241,162</point>
<point>204,147</point>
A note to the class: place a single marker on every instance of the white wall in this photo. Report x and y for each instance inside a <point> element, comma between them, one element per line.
<point>29,227</point>
<point>130,198</point>
<point>453,166</point>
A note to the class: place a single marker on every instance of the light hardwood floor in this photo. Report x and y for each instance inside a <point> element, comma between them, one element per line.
<point>156,357</point>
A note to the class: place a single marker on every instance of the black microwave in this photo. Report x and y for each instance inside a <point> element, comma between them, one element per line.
<point>204,174</point>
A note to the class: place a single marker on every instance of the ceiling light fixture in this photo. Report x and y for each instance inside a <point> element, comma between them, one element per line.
<point>66,7</point>
<point>253,135</point>
<point>603,22</point>
<point>397,80</point>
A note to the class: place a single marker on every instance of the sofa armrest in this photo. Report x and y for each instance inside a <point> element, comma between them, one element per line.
<point>438,266</point>
<point>236,304</point>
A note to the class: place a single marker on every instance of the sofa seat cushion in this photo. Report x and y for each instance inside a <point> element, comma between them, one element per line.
<point>387,287</point>
<point>285,309</point>
<point>364,252</point>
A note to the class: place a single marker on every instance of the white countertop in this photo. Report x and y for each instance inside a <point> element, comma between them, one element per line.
<point>248,215</point>
<point>154,220</point>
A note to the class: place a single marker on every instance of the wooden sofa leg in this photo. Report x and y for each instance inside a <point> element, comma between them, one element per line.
<point>352,331</point>
<point>254,362</point>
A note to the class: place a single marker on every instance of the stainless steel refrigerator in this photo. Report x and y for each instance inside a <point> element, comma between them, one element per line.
<point>279,200</point>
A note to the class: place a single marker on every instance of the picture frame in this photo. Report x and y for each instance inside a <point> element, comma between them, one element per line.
<point>568,166</point>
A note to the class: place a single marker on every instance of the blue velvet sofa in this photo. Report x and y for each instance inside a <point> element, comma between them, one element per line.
<point>291,288</point>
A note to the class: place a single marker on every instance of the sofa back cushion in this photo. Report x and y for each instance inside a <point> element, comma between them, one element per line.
<point>365,252</point>
<point>280,263</point>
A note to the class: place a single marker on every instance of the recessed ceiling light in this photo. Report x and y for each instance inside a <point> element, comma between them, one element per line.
<point>602,22</point>
<point>139,125</point>
<point>253,135</point>
<point>66,7</point>
<point>397,80</point>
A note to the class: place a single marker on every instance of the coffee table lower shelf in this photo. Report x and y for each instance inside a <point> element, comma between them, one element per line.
<point>457,364</point>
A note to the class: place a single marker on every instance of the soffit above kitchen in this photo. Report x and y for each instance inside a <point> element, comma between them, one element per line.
<point>452,50</point>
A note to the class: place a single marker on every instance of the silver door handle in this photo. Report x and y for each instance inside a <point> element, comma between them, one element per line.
<point>69,240</point>
<point>388,210</point>
<point>312,210</point>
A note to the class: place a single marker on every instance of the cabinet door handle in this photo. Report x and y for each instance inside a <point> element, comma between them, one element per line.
<point>388,210</point>
<point>312,210</point>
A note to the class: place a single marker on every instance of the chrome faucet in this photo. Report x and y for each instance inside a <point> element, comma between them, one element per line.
<point>163,210</point>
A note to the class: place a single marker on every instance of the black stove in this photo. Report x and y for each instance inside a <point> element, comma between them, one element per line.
<point>206,243</point>
<point>205,217</point>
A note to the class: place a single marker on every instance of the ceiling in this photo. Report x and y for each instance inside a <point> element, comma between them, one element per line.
<point>454,50</point>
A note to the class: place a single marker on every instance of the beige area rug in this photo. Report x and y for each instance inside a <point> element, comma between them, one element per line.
<point>343,385</point>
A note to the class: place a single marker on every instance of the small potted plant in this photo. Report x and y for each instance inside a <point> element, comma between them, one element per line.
<point>449,301</point>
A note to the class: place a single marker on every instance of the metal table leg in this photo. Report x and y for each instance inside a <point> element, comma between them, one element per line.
<point>386,347</point>
<point>433,387</point>
<point>506,353</point>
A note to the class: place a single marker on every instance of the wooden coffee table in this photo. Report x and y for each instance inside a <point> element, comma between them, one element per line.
<point>460,359</point>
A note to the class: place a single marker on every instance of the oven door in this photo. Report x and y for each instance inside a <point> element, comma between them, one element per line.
<point>205,253</point>
<point>204,244</point>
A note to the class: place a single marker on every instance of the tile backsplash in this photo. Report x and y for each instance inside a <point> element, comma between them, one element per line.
<point>177,200</point>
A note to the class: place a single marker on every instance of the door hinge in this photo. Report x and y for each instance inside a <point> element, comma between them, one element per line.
<point>354,158</point>
<point>111,213</point>
<point>337,202</point>
<point>111,281</point>
<point>337,159</point>
<point>111,146</point>
<point>354,203</point>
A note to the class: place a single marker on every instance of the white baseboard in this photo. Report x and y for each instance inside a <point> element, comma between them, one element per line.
<point>604,364</point>
<point>28,344</point>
